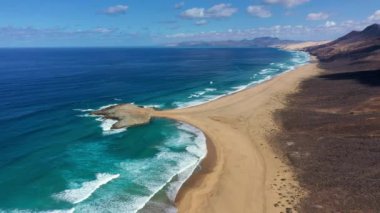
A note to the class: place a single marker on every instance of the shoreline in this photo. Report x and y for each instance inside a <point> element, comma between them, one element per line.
<point>196,178</point>
<point>205,185</point>
<point>209,161</point>
<point>250,161</point>
<point>240,88</point>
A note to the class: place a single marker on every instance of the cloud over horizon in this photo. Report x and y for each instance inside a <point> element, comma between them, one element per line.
<point>201,22</point>
<point>26,33</point>
<point>287,3</point>
<point>293,32</point>
<point>179,5</point>
<point>117,9</point>
<point>216,11</point>
<point>317,16</point>
<point>375,16</point>
<point>330,24</point>
<point>134,23</point>
<point>258,11</point>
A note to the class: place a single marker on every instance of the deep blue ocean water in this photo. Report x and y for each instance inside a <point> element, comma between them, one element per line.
<point>54,156</point>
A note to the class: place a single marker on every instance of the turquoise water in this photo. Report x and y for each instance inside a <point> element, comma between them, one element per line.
<point>56,157</point>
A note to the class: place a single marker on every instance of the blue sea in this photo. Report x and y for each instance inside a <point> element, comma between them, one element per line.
<point>56,157</point>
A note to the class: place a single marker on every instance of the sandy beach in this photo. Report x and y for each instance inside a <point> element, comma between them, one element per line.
<point>302,45</point>
<point>285,145</point>
<point>241,172</point>
<point>189,106</point>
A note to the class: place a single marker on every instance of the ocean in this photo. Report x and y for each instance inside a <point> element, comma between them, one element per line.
<point>56,157</point>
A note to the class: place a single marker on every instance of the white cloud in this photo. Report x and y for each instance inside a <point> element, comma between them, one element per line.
<point>201,22</point>
<point>102,30</point>
<point>179,5</point>
<point>117,9</point>
<point>259,11</point>
<point>327,31</point>
<point>194,13</point>
<point>330,24</point>
<point>35,33</point>
<point>317,16</point>
<point>216,11</point>
<point>375,16</point>
<point>287,3</point>
<point>221,10</point>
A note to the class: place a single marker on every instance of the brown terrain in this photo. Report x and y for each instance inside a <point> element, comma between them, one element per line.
<point>330,129</point>
<point>305,141</point>
<point>351,46</point>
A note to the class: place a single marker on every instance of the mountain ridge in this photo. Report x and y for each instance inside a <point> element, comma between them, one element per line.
<point>356,44</point>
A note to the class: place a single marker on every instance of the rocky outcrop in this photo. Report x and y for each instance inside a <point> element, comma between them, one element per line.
<point>127,115</point>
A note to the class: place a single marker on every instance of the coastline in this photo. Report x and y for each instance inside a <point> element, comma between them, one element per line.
<point>301,141</point>
<point>196,178</point>
<point>325,137</point>
<point>252,156</point>
<point>209,189</point>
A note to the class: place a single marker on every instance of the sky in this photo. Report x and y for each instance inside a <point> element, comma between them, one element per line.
<point>119,23</point>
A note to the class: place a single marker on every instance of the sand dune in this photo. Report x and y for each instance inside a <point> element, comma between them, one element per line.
<point>303,45</point>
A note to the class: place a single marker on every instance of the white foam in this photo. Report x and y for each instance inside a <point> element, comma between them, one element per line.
<point>90,110</point>
<point>33,211</point>
<point>196,148</point>
<point>196,102</point>
<point>268,71</point>
<point>84,110</point>
<point>184,174</point>
<point>86,190</point>
<point>199,149</point>
<point>282,66</point>
<point>106,106</point>
<point>201,93</point>
<point>166,170</point>
<point>299,58</point>
<point>60,211</point>
<point>208,98</point>
<point>157,106</point>
<point>106,125</point>
<point>197,94</point>
<point>210,89</point>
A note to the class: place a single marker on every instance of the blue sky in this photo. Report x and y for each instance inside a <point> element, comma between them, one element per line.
<point>154,22</point>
